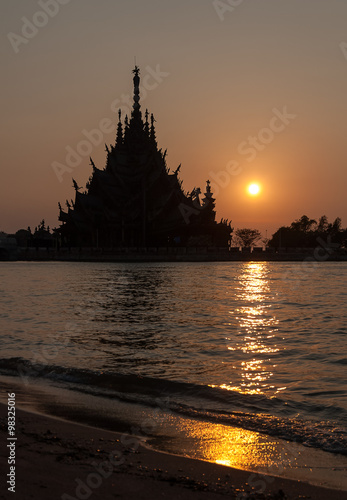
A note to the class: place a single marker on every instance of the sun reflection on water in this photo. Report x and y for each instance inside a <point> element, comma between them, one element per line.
<point>248,450</point>
<point>253,337</point>
<point>222,444</point>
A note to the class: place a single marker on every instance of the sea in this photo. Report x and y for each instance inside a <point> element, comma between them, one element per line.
<point>260,347</point>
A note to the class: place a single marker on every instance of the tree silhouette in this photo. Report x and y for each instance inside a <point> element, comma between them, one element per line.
<point>335,227</point>
<point>323,224</point>
<point>246,237</point>
<point>303,224</point>
<point>305,232</point>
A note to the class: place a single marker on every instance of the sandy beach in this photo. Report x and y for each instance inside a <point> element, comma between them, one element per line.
<point>57,459</point>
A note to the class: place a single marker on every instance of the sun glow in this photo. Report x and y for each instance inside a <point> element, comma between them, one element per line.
<point>253,189</point>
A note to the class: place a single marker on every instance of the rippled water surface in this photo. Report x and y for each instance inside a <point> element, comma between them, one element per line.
<point>263,344</point>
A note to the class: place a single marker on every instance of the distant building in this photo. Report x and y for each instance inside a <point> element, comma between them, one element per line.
<point>135,200</point>
<point>8,247</point>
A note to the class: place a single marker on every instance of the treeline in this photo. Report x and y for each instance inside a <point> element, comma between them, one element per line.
<point>41,236</point>
<point>302,233</point>
<point>305,232</point>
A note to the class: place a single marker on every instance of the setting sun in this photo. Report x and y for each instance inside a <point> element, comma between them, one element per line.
<point>253,189</point>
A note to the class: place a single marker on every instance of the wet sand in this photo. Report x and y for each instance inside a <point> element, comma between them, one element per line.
<point>57,459</point>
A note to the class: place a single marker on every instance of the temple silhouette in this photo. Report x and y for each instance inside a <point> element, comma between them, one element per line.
<point>135,201</point>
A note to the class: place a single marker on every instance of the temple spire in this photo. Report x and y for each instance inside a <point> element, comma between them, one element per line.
<point>153,138</point>
<point>136,79</point>
<point>146,126</point>
<point>208,203</point>
<point>126,130</point>
<point>119,139</point>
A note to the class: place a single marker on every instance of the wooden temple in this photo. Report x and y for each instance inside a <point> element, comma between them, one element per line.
<point>135,201</point>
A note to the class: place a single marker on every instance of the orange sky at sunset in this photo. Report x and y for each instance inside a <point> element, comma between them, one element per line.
<point>242,91</point>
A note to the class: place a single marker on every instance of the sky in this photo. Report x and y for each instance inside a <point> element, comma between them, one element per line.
<point>242,91</point>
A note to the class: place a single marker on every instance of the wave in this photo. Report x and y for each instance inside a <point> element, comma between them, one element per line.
<point>271,416</point>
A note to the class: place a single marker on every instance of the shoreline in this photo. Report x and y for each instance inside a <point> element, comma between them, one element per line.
<point>60,459</point>
<point>133,259</point>
<point>178,254</point>
<point>53,425</point>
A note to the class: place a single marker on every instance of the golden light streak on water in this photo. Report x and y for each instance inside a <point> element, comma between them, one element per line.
<point>252,451</point>
<point>256,332</point>
<point>222,444</point>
